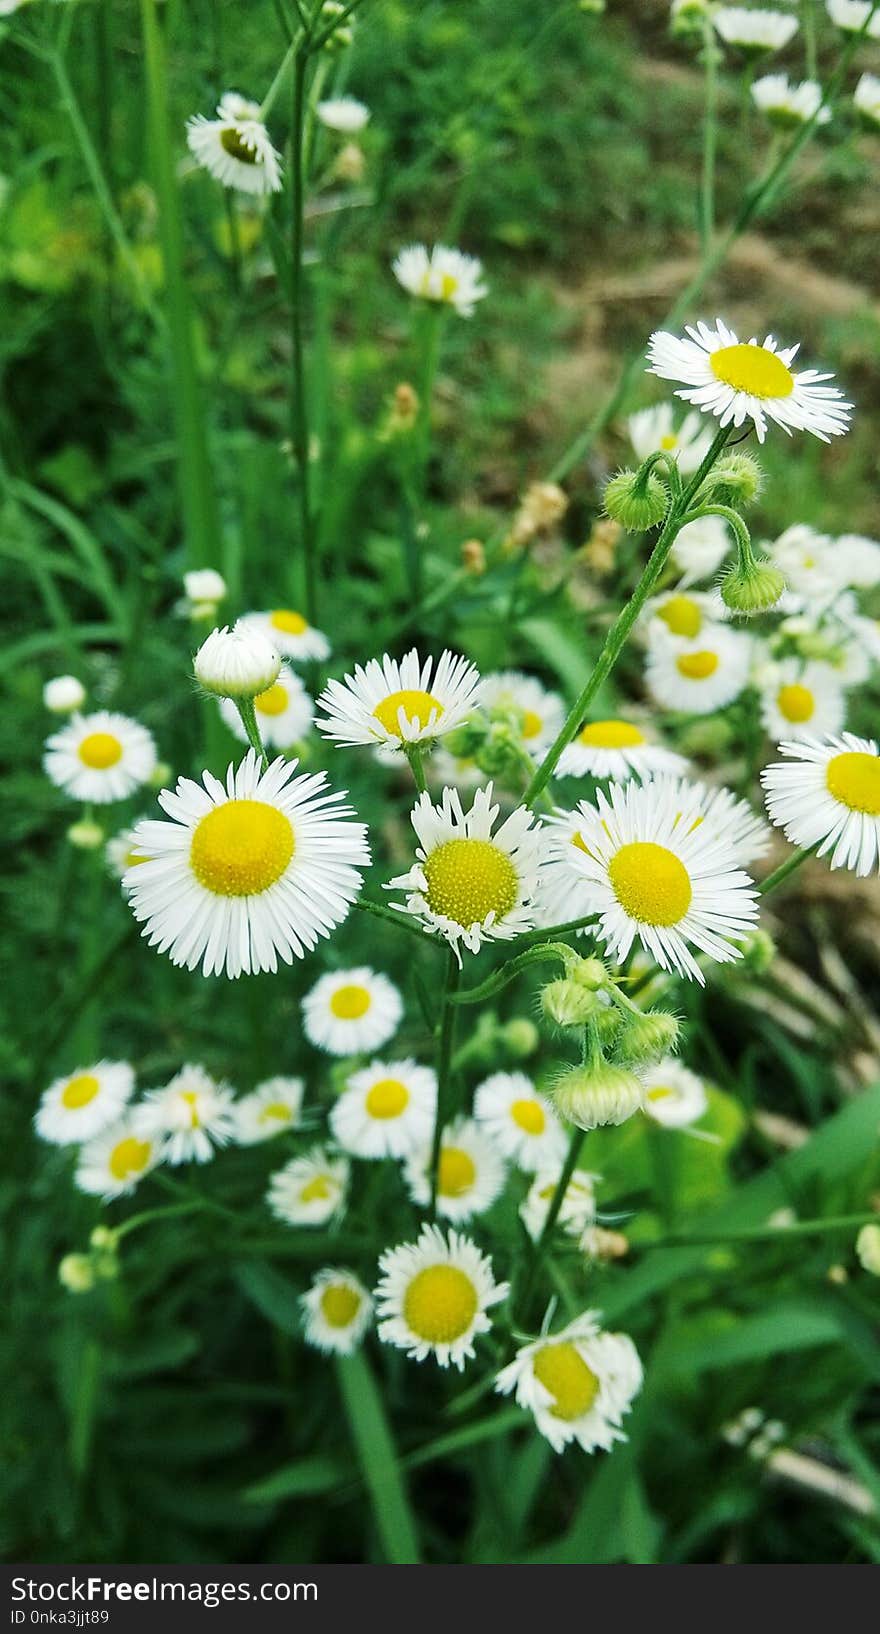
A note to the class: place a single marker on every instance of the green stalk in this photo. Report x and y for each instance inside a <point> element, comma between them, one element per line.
<point>540,1247</point>
<point>781,874</point>
<point>299,402</point>
<point>413,754</point>
<point>448,1018</point>
<point>392,916</point>
<point>246,710</point>
<point>710,134</point>
<point>378,1459</point>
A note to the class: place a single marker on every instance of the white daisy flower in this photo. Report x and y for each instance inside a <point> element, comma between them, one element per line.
<point>827,795</point>
<point>618,749</point>
<point>292,634</point>
<point>809,564</point>
<point>754,30</point>
<point>344,114</point>
<point>468,884</point>
<point>536,714</point>
<point>386,1110</point>
<point>236,663</point>
<point>578,1383</point>
<point>701,676</point>
<point>578,1209</point>
<point>82,1103</point>
<point>674,1096</point>
<point>682,616</point>
<point>190,1117</point>
<point>653,431</point>
<point>748,380</point>
<point>284,712</point>
<point>244,874</point>
<point>655,873</point>
<point>802,700</point>
<point>471,1173</point>
<point>442,275</point>
<point>349,1012</point>
<point>866,98</point>
<point>396,703</point>
<point>271,1109</point>
<point>337,1310</point>
<point>786,104</point>
<point>433,1296</point>
<point>700,548</point>
<point>519,1121</point>
<point>235,148</point>
<point>100,757</point>
<point>115,1162</point>
<point>852,15</point>
<point>310,1190</point>
<point>204,587</point>
<point>858,560</point>
<point>64,695</point>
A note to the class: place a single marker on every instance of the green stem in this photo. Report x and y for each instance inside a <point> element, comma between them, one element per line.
<point>710,131</point>
<point>413,754</point>
<point>196,1205</point>
<point>448,1018</point>
<point>299,404</point>
<point>393,916</point>
<point>808,24</point>
<point>248,713</point>
<point>280,79</point>
<point>539,1248</point>
<point>500,978</point>
<point>781,874</point>
<point>800,1228</point>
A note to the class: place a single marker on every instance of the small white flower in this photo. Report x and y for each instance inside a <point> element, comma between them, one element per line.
<point>64,695</point>
<point>802,700</point>
<point>349,1012</point>
<point>578,1209</point>
<point>310,1190</point>
<point>271,1109</point>
<point>284,712</point>
<point>81,1104</point>
<point>699,549</point>
<point>442,275</point>
<point>292,634</point>
<point>702,676</point>
<point>747,834</point>
<point>235,148</point>
<point>386,1110</point>
<point>433,1296</point>
<point>810,566</point>
<point>852,15</point>
<point>190,1117</point>
<point>236,663</point>
<point>785,103</point>
<point>519,1121</point>
<point>674,1096</point>
<point>344,114</point>
<point>100,757</point>
<point>827,795</point>
<point>754,30</point>
<point>337,1310</point>
<point>115,1162</point>
<point>618,749</point>
<point>653,431</point>
<point>535,714</point>
<point>204,585</point>
<point>396,703</point>
<point>866,97</point>
<point>578,1383</point>
<point>470,1176</point>
<point>858,560</point>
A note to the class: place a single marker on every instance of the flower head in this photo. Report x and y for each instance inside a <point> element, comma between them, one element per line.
<point>386,1110</point>
<point>291,633</point>
<point>471,1173</point>
<point>433,1296</point>
<point>396,703</point>
<point>235,148</point>
<point>310,1190</point>
<point>654,431</point>
<point>519,1121</point>
<point>754,30</point>
<point>786,104</point>
<point>337,1310</point>
<point>852,15</point>
<point>534,714</point>
<point>343,114</point>
<point>578,1383</point>
<point>826,795</point>
<point>699,549</point>
<point>802,700</point>
<point>349,1012</point>
<point>674,1096</point>
<point>236,663</point>
<point>578,1208</point>
<point>701,676</point>
<point>618,749</point>
<point>271,1109</point>
<point>442,275</point>
<point>866,98</point>
<point>114,1162</point>
<point>190,1117</point>
<point>99,758</point>
<point>82,1103</point>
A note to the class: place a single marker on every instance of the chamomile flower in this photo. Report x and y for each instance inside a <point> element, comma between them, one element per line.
<point>386,1110</point>
<point>748,380</point>
<point>246,873</point>
<point>866,99</point>
<point>699,549</point>
<point>809,564</point>
<point>443,275</point>
<point>284,712</point>
<point>235,148</point>
<point>827,795</point>
<point>337,1311</point>
<point>786,104</point>
<point>578,1208</point>
<point>655,873</point>
<point>699,677</point>
<point>116,1161</point>
<point>271,1109</point>
<point>471,885</point>
<point>802,700</point>
<point>348,1012</point>
<point>852,15</point>
<point>399,702</point>
<point>682,615</point>
<point>433,1296</point>
<point>618,749</point>
<point>653,431</point>
<point>754,30</point>
<point>674,1096</point>
<point>519,1121</point>
<point>343,114</point>
<point>190,1117</point>
<point>100,757</point>
<point>290,633</point>
<point>470,1176</point>
<point>64,695</point>
<point>82,1103</point>
<point>578,1383</point>
<point>858,560</point>
<point>310,1190</point>
<point>535,714</point>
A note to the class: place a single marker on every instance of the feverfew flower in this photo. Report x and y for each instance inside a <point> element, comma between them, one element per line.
<point>827,795</point>
<point>64,695</point>
<point>235,148</point>
<point>754,30</point>
<point>271,1109</point>
<point>190,1117</point>
<point>578,1209</point>
<point>470,1176</point>
<point>443,275</point>
<point>82,1103</point>
<point>578,1383</point>
<point>433,1296</point>
<point>204,587</point>
<point>396,703</point>
<point>344,114</point>
<point>336,1312</point>
<point>674,1096</point>
<point>653,431</point>
<point>386,1110</point>
<point>310,1190</point>
<point>116,1161</point>
<point>284,712</point>
<point>236,663</point>
<point>618,749</point>
<point>786,104</point>
<point>681,615</point>
<point>100,757</point>
<point>802,700</point>
<point>519,1121</point>
<point>348,1012</point>
<point>701,676</point>
<point>291,633</point>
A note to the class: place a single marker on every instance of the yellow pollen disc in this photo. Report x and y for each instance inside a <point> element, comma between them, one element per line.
<point>529,1116</point>
<point>288,622</point>
<point>448,286</point>
<point>469,879</point>
<point>241,848</point>
<point>317,1190</point>
<point>440,1304</point>
<point>651,883</point>
<point>129,1156</point>
<point>669,442</point>
<point>531,724</point>
<point>610,735</point>
<point>854,779</point>
<point>232,143</point>
<point>339,1305</point>
<point>387,1099</point>
<point>271,702</point>
<point>795,702</point>
<point>572,1384</point>
<point>457,1172</point>
<point>100,750</point>
<point>752,369</point>
<point>79,1091</point>
<point>697,666</point>
<point>416,706</point>
<point>661,1092</point>
<point>350,1003</point>
<point>682,616</point>
<point>276,1111</point>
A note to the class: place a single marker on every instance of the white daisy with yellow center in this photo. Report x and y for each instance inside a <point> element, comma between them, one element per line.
<point>470,1176</point>
<point>311,1189</point>
<point>284,712</point>
<point>802,700</point>
<point>578,1209</point>
<point>442,275</point>
<point>754,30</point>
<point>519,1121</point>
<point>674,1096</point>
<point>248,873</point>
<point>813,571</point>
<point>83,1102</point>
<point>290,633</point>
<point>337,1311</point>
<point>827,795</point>
<point>117,1160</point>
<point>190,1117</point>
<point>616,748</point>
<point>395,703</point>
<point>700,548</point>
<point>351,1011</point>
<point>753,380</point>
<point>386,1110</point>
<point>100,757</point>
<point>682,615</point>
<point>787,105</point>
<point>578,1383</point>
<point>535,715</point>
<point>235,148</point>
<point>654,431</point>
<point>471,885</point>
<point>655,873</point>
<point>701,676</point>
<point>270,1109</point>
<point>852,15</point>
<point>433,1296</point>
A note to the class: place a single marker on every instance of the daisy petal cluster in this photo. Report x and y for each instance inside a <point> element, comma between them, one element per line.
<point>235,147</point>
<point>284,712</point>
<point>852,15</point>
<point>77,1106</point>
<point>290,633</point>
<point>190,1117</point>
<point>433,1296</point>
<point>101,757</point>
<point>310,1190</point>
<point>578,1383</point>
<point>443,275</point>
<point>270,1109</point>
<point>754,30</point>
<point>519,1121</point>
<point>826,796</point>
<point>470,1175</point>
<point>348,1012</point>
<point>386,1110</point>
<point>786,104</point>
<point>395,703</point>
<point>674,1096</point>
<point>343,114</point>
<point>337,1311</point>
<point>654,431</point>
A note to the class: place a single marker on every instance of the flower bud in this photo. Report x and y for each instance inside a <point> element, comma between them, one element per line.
<point>75,1273</point>
<point>868,1249</point>
<point>758,952</point>
<point>597,1243</point>
<point>64,694</point>
<point>521,1037</point>
<point>596,1094</point>
<point>86,835</point>
<point>588,973</point>
<point>236,663</point>
<point>566,1004</point>
<point>752,589</point>
<point>161,775</point>
<point>737,479</point>
<point>103,1238</point>
<point>636,502</point>
<point>350,163</point>
<point>203,586</point>
<point>647,1038</point>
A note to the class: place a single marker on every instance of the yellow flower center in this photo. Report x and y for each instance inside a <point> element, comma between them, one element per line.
<point>289,622</point>
<point>79,1091</point>
<point>795,702</point>
<point>682,616</point>
<point>661,1092</point>
<point>349,1003</point>
<point>697,666</point>
<point>339,1305</point>
<point>752,369</point>
<point>129,1156</point>
<point>469,879</point>
<point>650,882</point>
<point>529,1116</point>
<point>531,724</point>
<point>317,1190</point>
<point>276,1111</point>
<point>572,1384</point>
<point>457,1172</point>
<point>440,1304</point>
<point>416,706</point>
<point>233,144</point>
<point>191,1097</point>
<point>854,779</point>
<point>271,702</point>
<point>387,1099</point>
<point>610,735</point>
<point>669,442</point>
<point>100,750</point>
<point>241,848</point>
<point>448,286</point>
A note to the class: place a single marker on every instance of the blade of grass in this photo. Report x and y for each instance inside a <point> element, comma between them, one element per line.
<point>378,1457</point>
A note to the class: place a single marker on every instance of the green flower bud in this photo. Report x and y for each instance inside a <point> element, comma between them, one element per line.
<point>647,1038</point>
<point>521,1037</point>
<point>596,1094</point>
<point>868,1249</point>
<point>467,740</point>
<point>758,952</point>
<point>103,1238</point>
<point>710,738</point>
<point>500,754</point>
<point>86,835</point>
<point>588,973</point>
<point>752,588</point>
<point>737,479</point>
<point>75,1273</point>
<point>636,502</point>
<point>568,1005</point>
